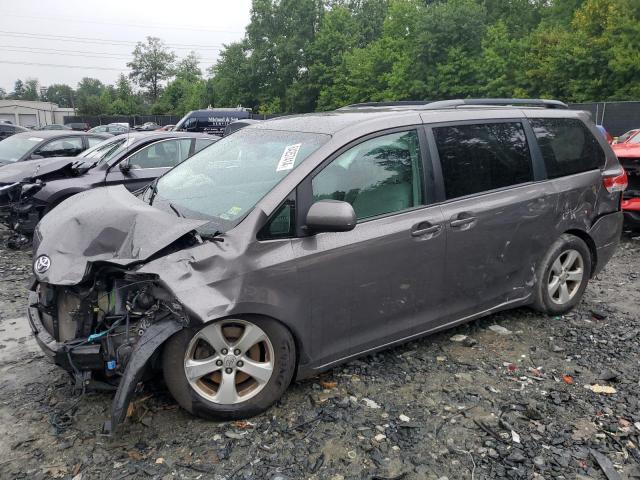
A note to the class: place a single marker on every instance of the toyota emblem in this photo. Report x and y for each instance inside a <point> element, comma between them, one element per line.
<point>42,264</point>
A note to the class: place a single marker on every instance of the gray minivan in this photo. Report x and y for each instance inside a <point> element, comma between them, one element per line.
<point>301,242</point>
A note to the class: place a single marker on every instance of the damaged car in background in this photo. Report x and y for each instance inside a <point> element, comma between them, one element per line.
<point>29,190</point>
<point>299,243</point>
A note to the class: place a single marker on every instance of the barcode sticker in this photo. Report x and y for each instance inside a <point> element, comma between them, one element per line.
<point>288,158</point>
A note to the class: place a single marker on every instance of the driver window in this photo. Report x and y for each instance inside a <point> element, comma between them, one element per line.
<point>377,177</point>
<point>63,147</point>
<point>161,154</point>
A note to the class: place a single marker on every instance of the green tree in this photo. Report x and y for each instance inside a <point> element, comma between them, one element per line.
<point>18,90</point>
<point>88,95</point>
<point>31,89</point>
<point>152,64</point>
<point>60,94</point>
<point>189,67</point>
<point>233,79</point>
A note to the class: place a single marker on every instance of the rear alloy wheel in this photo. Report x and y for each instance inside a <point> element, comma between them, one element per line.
<point>232,368</point>
<point>562,276</point>
<point>565,277</point>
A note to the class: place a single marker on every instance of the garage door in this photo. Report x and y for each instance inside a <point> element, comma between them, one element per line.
<point>28,120</point>
<point>8,116</point>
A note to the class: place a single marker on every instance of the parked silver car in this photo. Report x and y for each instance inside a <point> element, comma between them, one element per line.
<point>301,242</point>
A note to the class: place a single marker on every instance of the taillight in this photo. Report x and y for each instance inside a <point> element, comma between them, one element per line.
<point>615,182</point>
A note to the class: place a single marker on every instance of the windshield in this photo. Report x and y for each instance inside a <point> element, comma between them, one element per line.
<point>223,182</point>
<point>13,148</point>
<point>105,151</point>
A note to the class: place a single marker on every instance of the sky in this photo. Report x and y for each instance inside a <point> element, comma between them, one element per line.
<point>63,41</point>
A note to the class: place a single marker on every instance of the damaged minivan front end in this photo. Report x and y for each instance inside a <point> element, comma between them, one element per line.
<point>105,331</point>
<point>104,321</point>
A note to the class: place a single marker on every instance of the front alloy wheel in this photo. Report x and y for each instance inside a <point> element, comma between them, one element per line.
<point>229,362</point>
<point>229,369</point>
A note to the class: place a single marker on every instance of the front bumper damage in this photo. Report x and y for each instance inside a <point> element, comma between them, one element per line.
<point>106,357</point>
<point>19,211</point>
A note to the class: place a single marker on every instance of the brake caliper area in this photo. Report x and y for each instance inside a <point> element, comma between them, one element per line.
<point>110,329</point>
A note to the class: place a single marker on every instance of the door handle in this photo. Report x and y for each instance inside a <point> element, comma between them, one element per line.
<point>425,228</point>
<point>462,222</point>
<point>462,219</point>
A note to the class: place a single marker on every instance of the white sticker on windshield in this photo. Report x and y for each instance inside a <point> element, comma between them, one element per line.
<point>35,139</point>
<point>288,157</point>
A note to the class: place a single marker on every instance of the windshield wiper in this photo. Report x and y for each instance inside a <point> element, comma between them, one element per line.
<point>176,210</point>
<point>154,190</point>
<point>214,237</point>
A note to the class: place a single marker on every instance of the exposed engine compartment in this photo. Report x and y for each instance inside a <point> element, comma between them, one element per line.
<point>104,319</point>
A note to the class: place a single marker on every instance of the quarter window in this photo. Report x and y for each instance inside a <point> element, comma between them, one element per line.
<point>567,146</point>
<point>481,157</point>
<point>379,176</point>
<point>281,225</point>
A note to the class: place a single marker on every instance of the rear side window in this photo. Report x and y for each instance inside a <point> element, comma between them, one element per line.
<point>161,154</point>
<point>64,147</point>
<point>481,157</point>
<point>567,146</point>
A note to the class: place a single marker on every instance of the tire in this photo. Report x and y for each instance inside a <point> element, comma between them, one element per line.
<point>563,261</point>
<point>192,349</point>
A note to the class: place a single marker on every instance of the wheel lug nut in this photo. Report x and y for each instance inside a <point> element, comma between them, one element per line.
<point>228,370</point>
<point>224,351</point>
<point>237,351</point>
<point>240,363</point>
<point>219,363</point>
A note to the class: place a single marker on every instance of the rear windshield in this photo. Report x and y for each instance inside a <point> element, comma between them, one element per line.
<point>14,148</point>
<point>223,182</point>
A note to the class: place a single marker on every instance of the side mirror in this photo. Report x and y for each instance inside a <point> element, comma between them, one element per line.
<point>124,167</point>
<point>35,156</point>
<point>331,216</point>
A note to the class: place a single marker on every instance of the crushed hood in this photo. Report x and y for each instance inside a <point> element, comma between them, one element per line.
<point>32,169</point>
<point>103,225</point>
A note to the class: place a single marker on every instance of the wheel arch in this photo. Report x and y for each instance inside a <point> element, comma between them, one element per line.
<point>586,238</point>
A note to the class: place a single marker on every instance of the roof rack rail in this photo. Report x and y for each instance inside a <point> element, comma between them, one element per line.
<point>399,103</point>
<point>496,102</point>
<point>480,102</point>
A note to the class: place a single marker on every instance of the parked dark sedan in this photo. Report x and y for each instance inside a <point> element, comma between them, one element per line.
<point>46,143</point>
<point>7,129</point>
<point>30,190</point>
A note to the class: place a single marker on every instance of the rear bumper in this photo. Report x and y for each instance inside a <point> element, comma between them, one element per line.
<point>606,233</point>
<point>84,357</point>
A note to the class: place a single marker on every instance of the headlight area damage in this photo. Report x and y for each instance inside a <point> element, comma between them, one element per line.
<point>105,332</point>
<point>18,209</point>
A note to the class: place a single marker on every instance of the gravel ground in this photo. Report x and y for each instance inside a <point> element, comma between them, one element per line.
<point>502,397</point>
